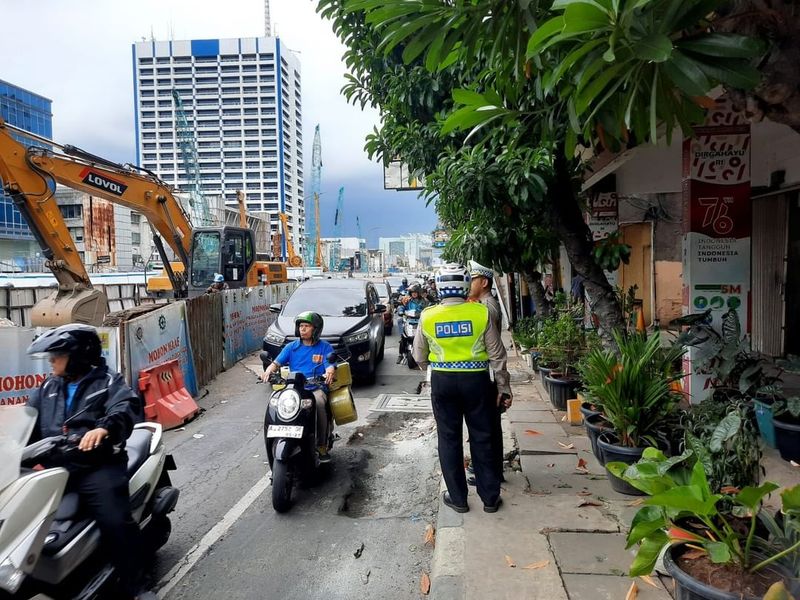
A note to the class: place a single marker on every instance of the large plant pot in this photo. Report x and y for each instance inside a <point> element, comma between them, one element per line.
<point>544,372</point>
<point>561,389</point>
<point>763,410</point>
<point>595,425</point>
<point>787,439</point>
<point>587,410</point>
<point>613,453</point>
<point>689,588</point>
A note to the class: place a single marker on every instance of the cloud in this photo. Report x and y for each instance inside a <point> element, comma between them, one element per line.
<point>78,54</point>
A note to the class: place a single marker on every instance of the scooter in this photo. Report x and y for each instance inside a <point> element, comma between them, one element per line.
<point>410,321</point>
<point>290,424</point>
<point>47,541</point>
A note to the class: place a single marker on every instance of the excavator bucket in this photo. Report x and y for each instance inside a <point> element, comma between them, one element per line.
<point>75,304</point>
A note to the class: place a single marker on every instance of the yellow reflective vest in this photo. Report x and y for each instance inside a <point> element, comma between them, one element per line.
<point>454,333</point>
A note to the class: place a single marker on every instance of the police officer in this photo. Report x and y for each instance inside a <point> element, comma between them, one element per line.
<point>84,396</point>
<point>481,291</point>
<point>458,340</point>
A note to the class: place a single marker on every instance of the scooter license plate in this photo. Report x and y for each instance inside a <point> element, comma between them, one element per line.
<point>287,431</point>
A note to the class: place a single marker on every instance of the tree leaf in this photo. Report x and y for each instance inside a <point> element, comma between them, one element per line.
<point>725,430</point>
<point>724,45</point>
<point>547,30</point>
<point>733,72</point>
<point>718,552</point>
<point>583,17</point>
<point>656,47</point>
<point>751,496</point>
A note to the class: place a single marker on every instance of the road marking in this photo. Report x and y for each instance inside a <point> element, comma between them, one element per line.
<point>183,566</point>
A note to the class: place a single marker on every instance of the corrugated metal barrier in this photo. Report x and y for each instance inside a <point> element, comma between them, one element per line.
<point>206,335</point>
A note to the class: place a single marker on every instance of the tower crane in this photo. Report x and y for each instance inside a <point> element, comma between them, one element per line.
<point>198,205</point>
<point>336,250</point>
<point>312,218</point>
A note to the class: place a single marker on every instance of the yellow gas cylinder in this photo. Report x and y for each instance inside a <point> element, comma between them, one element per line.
<point>343,405</point>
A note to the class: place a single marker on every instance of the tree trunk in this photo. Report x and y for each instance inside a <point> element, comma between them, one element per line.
<point>534,281</point>
<point>577,239</point>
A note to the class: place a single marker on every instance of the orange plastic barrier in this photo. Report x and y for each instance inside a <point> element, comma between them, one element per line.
<point>166,400</point>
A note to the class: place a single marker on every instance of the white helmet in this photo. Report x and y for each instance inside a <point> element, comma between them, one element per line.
<point>452,281</point>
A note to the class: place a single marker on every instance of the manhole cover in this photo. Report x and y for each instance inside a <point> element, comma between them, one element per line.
<point>402,403</point>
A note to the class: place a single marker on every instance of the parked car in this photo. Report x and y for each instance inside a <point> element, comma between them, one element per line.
<point>353,316</point>
<point>385,295</point>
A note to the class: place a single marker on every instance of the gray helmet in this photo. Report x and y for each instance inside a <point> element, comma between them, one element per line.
<point>78,341</point>
<point>313,319</point>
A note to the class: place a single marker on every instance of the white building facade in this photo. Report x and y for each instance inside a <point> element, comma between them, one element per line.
<point>242,97</point>
<point>413,251</point>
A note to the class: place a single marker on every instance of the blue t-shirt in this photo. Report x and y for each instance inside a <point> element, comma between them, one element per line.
<point>311,361</point>
<point>72,387</point>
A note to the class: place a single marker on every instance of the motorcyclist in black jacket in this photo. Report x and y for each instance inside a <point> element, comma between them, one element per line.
<point>83,396</point>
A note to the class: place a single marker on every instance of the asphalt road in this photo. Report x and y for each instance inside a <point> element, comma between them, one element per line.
<point>357,533</point>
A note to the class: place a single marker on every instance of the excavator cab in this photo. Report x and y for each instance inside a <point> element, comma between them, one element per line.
<point>226,250</point>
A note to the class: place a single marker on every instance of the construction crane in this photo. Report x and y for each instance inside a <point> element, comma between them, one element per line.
<point>312,219</point>
<point>198,205</point>
<point>242,209</point>
<point>336,249</point>
<point>318,257</point>
<point>294,259</point>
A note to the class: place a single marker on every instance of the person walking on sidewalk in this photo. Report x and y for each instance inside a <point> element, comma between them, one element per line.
<point>481,291</point>
<point>455,338</point>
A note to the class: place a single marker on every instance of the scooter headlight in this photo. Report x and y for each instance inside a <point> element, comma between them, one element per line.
<point>11,576</point>
<point>288,404</point>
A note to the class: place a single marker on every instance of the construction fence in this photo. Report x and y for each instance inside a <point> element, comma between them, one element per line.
<point>206,334</point>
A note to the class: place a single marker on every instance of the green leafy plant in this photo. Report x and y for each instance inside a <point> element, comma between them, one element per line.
<point>561,343</point>
<point>725,440</point>
<point>683,508</point>
<point>526,331</point>
<point>611,252</point>
<point>634,386</point>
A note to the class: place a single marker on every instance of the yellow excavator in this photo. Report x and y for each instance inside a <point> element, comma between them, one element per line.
<point>29,175</point>
<point>294,259</point>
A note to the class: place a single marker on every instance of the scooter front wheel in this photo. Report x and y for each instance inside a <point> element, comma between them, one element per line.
<point>281,486</point>
<point>412,364</point>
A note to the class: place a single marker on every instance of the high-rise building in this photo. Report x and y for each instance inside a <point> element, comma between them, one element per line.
<point>242,99</point>
<point>31,112</point>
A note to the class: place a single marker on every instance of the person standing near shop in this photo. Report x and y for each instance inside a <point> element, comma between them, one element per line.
<point>458,341</point>
<point>482,279</point>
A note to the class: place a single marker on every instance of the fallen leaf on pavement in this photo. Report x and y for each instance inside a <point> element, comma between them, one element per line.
<point>567,446</point>
<point>424,584</point>
<point>359,551</point>
<point>582,464</point>
<point>564,418</point>
<point>633,591</point>
<point>584,493</point>
<point>532,432</point>
<point>649,580</point>
<point>551,465</point>
<point>510,561</point>
<point>197,436</point>
<point>590,503</point>
<point>430,535</point>
<point>636,502</point>
<point>537,565</point>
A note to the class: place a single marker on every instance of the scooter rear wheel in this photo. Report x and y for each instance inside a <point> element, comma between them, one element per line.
<point>281,486</point>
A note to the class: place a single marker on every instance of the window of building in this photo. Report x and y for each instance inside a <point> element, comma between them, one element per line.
<point>248,68</point>
<point>251,111</point>
<point>145,61</point>
<point>71,211</point>
<point>136,237</point>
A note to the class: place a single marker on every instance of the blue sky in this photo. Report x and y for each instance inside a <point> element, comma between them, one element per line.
<point>81,60</point>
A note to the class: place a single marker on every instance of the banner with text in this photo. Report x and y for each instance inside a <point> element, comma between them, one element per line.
<point>157,337</point>
<point>717,225</point>
<point>246,319</point>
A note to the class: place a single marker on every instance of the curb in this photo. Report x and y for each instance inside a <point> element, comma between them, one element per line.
<point>447,564</point>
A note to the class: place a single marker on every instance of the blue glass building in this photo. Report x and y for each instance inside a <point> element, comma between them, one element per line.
<point>33,113</point>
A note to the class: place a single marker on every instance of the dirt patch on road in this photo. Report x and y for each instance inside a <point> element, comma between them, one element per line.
<point>395,469</point>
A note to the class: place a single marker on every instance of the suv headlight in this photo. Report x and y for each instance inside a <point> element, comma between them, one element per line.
<point>275,338</point>
<point>288,404</point>
<point>361,336</point>
<point>11,576</point>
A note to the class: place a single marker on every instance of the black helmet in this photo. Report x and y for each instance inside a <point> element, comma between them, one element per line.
<point>313,319</point>
<point>415,287</point>
<point>80,342</point>
<point>405,281</point>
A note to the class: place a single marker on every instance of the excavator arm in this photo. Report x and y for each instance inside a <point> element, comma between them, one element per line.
<point>29,175</point>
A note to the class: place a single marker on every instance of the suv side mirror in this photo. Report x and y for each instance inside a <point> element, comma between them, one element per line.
<point>275,308</point>
<point>380,308</point>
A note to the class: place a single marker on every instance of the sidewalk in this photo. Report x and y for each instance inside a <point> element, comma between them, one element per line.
<point>562,528</point>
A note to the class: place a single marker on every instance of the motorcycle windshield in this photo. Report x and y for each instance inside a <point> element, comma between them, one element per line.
<point>16,425</point>
<point>412,314</point>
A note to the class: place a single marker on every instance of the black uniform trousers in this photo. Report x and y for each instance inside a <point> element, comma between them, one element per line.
<point>497,433</point>
<point>466,396</point>
<point>103,492</point>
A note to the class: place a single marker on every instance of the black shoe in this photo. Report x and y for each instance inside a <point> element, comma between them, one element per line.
<point>471,481</point>
<point>399,359</point>
<point>492,508</point>
<point>456,507</point>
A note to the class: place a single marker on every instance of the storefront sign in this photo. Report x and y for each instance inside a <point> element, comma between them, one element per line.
<point>717,225</point>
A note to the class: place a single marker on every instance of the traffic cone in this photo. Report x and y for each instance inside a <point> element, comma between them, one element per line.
<point>640,326</point>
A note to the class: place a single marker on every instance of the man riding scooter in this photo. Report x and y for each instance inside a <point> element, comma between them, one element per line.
<point>413,303</point>
<point>308,354</point>
<point>84,396</point>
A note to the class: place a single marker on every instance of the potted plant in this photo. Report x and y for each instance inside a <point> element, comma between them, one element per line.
<point>634,390</point>
<point>786,420</point>
<point>561,342</point>
<point>715,548</point>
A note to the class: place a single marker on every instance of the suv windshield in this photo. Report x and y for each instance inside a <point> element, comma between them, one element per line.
<point>333,302</point>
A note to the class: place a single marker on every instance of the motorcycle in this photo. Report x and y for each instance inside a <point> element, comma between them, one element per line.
<point>410,323</point>
<point>290,424</point>
<point>47,541</point>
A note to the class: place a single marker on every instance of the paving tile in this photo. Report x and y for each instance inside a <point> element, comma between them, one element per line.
<point>532,416</point>
<point>592,553</point>
<point>610,587</point>
<point>545,441</point>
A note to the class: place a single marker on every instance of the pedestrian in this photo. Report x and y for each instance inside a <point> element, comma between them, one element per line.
<point>458,340</point>
<point>218,285</point>
<point>481,291</point>
<point>84,396</point>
